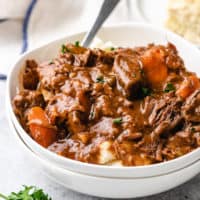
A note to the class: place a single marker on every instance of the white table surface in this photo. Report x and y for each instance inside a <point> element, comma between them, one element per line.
<point>17,169</point>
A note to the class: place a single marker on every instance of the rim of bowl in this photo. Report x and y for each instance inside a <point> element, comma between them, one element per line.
<point>87,168</point>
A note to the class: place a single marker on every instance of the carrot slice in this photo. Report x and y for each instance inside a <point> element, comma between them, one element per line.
<point>154,66</point>
<point>188,86</point>
<point>40,128</point>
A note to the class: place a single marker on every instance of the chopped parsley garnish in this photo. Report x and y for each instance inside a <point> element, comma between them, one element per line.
<point>133,75</point>
<point>117,120</point>
<point>100,79</point>
<point>64,49</point>
<point>145,91</point>
<point>77,43</point>
<point>27,193</point>
<point>170,87</point>
<point>192,129</point>
<point>51,62</point>
<point>142,72</point>
<point>91,116</point>
<point>112,48</point>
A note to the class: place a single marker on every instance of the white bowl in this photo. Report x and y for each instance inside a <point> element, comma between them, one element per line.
<point>121,35</point>
<point>109,187</point>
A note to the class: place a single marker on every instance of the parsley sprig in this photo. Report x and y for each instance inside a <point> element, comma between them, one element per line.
<point>112,48</point>
<point>27,193</point>
<point>100,79</point>
<point>64,49</point>
<point>145,91</point>
<point>118,120</point>
<point>169,87</point>
<point>77,44</point>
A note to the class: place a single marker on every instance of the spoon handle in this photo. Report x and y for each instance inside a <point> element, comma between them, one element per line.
<point>106,9</point>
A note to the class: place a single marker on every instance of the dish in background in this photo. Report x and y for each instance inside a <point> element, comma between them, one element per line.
<point>179,16</point>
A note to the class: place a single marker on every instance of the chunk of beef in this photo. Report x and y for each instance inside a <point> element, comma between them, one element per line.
<point>105,127</point>
<point>191,109</point>
<point>75,122</point>
<point>53,76</point>
<point>164,114</point>
<point>128,71</point>
<point>60,106</point>
<point>101,57</point>
<point>30,75</point>
<point>101,107</point>
<point>173,60</point>
<point>179,144</point>
<point>24,100</point>
<point>75,55</point>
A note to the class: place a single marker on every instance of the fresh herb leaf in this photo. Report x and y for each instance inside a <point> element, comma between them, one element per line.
<point>91,116</point>
<point>133,75</point>
<point>117,120</point>
<point>100,79</point>
<point>51,62</point>
<point>142,72</point>
<point>27,193</point>
<point>192,129</point>
<point>64,49</point>
<point>77,43</point>
<point>112,48</point>
<point>145,91</point>
<point>169,87</point>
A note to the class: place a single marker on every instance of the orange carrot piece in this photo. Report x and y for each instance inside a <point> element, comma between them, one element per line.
<point>40,128</point>
<point>188,86</point>
<point>154,66</point>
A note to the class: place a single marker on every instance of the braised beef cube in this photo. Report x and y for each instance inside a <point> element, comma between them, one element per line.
<point>178,145</point>
<point>24,100</point>
<point>80,54</point>
<point>164,114</point>
<point>105,127</point>
<point>101,57</point>
<point>30,75</point>
<point>191,109</point>
<point>75,122</point>
<point>173,60</point>
<point>128,72</point>
<point>60,106</point>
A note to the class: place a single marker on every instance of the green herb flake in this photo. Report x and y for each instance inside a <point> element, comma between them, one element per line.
<point>145,91</point>
<point>91,116</point>
<point>27,193</point>
<point>133,75</point>
<point>192,129</point>
<point>64,49</point>
<point>170,87</point>
<point>112,48</point>
<point>77,44</point>
<point>100,79</point>
<point>51,62</point>
<point>117,120</point>
<point>142,72</point>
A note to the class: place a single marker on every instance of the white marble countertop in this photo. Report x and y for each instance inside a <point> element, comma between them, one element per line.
<point>16,169</point>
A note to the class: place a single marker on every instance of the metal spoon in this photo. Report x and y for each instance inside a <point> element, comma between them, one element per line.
<point>106,9</point>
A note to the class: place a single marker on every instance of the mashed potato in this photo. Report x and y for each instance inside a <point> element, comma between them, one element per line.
<point>184,19</point>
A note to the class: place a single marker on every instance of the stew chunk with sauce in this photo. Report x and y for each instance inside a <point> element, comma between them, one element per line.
<point>124,106</point>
